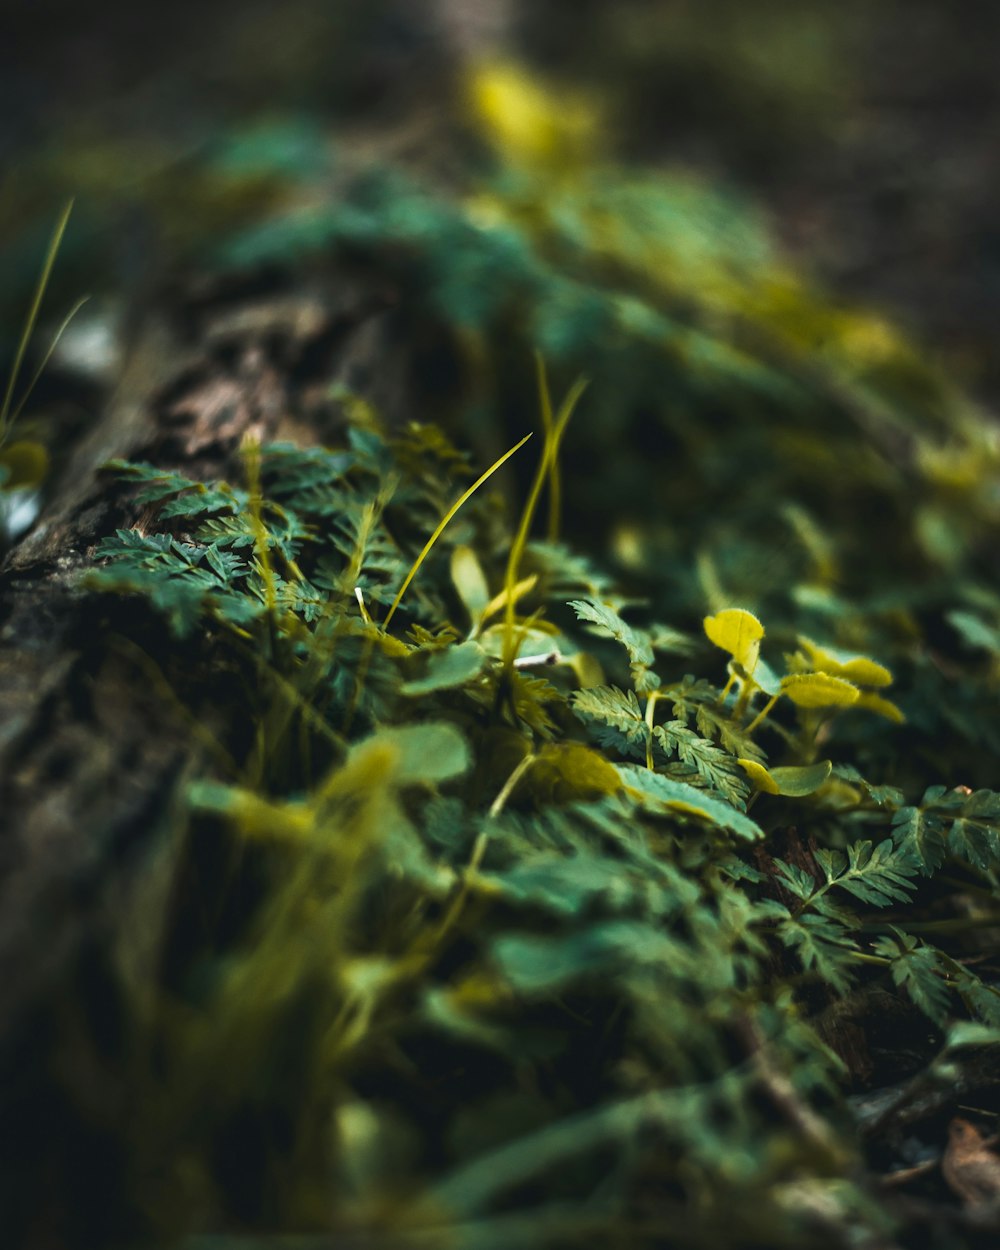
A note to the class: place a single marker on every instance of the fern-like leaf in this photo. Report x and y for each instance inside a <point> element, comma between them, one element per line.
<point>878,875</point>
<point>614,718</point>
<point>607,622</point>
<point>714,767</point>
<point>917,968</point>
<point>822,945</point>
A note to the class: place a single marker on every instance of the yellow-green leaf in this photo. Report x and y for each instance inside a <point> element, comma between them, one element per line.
<point>819,690</point>
<point>565,772</point>
<point>470,581</point>
<point>858,669</point>
<point>797,781</point>
<point>759,776</point>
<point>793,781</point>
<point>882,707</point>
<point>528,123</point>
<point>738,632</point>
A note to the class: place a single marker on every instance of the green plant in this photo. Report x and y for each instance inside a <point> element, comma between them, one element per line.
<point>24,463</point>
<point>501,912</point>
<point>497,873</point>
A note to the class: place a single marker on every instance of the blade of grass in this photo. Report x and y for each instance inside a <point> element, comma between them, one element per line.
<point>548,421</point>
<point>444,522</point>
<point>29,325</point>
<point>554,430</point>
<point>45,360</point>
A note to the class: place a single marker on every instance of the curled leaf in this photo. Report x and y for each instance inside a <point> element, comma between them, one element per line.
<point>793,781</point>
<point>759,775</point>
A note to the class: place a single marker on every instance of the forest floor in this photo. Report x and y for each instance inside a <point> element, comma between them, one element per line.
<point>878,179</point>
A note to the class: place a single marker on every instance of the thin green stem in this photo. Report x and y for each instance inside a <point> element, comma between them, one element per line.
<point>548,423</point>
<point>650,711</point>
<point>550,451</point>
<point>500,802</point>
<point>762,714</point>
<point>466,495</point>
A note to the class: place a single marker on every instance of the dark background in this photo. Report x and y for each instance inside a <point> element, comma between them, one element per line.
<point>869,130</point>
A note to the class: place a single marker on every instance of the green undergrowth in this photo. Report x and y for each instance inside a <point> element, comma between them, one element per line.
<point>532,864</point>
<point>521,945</point>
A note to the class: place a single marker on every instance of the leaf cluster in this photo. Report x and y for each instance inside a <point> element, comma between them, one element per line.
<point>490,855</point>
<point>541,901</point>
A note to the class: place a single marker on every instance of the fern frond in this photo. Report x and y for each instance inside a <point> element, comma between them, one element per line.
<point>878,875</point>
<point>613,717</point>
<point>608,624</point>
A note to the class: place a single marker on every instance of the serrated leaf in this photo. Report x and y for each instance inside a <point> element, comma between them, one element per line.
<point>921,835</point>
<point>658,792</point>
<point>877,874</point>
<point>795,879</point>
<point>714,767</point>
<point>821,944</point>
<point>975,842</point>
<point>916,968</point>
<point>613,716</point>
<point>636,642</point>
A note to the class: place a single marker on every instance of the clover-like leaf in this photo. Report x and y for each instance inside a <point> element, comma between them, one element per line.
<point>819,690</point>
<point>737,631</point>
<point>858,669</point>
<point>793,781</point>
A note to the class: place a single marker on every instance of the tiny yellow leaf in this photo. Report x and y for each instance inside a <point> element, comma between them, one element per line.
<point>758,774</point>
<point>738,632</point>
<point>865,672</point>
<point>883,707</point>
<point>819,690</point>
<point>528,123</point>
<point>854,668</point>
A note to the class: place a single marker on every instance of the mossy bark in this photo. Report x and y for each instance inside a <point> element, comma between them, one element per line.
<point>98,730</point>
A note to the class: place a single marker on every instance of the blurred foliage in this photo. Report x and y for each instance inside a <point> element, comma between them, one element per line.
<point>495,932</point>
